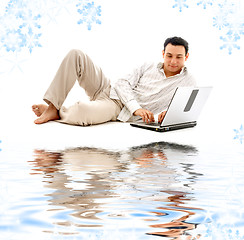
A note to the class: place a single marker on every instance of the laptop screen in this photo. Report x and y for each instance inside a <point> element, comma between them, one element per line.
<point>186,105</point>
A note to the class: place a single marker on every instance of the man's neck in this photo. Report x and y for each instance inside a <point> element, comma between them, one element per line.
<point>171,74</point>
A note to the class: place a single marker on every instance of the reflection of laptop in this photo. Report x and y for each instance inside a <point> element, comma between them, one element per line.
<point>183,110</point>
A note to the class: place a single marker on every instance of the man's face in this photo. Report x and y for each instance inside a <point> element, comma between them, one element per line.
<point>174,59</point>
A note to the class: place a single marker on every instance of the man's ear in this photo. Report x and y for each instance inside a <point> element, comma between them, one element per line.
<point>187,55</point>
<point>163,53</point>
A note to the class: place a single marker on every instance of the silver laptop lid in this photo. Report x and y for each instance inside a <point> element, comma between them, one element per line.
<point>186,105</point>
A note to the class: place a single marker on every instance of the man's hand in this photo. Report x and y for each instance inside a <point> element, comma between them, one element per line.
<point>146,115</point>
<point>161,116</point>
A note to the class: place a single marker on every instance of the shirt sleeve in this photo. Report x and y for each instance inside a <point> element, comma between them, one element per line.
<point>124,88</point>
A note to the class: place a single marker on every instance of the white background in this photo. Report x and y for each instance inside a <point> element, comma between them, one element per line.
<point>130,33</point>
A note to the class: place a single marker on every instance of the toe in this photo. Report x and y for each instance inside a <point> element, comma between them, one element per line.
<point>34,107</point>
<point>38,121</point>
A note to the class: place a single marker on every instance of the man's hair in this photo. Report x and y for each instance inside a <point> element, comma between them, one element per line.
<point>177,41</point>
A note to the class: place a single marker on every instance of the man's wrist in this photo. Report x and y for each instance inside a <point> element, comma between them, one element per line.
<point>132,106</point>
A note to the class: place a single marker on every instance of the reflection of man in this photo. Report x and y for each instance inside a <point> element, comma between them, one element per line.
<point>177,227</point>
<point>145,92</point>
<point>75,175</point>
<point>87,178</point>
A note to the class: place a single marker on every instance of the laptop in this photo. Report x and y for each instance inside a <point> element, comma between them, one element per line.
<point>183,110</point>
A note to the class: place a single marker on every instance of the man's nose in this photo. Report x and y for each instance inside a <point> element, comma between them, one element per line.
<point>173,60</point>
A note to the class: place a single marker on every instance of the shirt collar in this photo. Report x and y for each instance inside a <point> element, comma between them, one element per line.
<point>161,69</point>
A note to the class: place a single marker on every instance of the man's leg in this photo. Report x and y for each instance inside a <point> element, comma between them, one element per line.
<point>101,110</point>
<point>75,66</point>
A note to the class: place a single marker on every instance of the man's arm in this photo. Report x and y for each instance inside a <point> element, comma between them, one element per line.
<point>124,88</point>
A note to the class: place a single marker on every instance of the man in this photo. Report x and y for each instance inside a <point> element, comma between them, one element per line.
<point>145,92</point>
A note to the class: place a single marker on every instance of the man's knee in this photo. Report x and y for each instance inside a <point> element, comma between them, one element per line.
<point>75,52</point>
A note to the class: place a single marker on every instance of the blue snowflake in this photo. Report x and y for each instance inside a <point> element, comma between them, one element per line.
<point>218,231</point>
<point>12,40</point>
<point>232,24</point>
<point>30,40</point>
<point>180,4</point>
<point>30,24</point>
<point>236,29</point>
<point>220,21</point>
<point>239,134</point>
<point>229,17</point>
<point>20,27</point>
<point>230,43</point>
<point>89,13</point>
<point>29,21</point>
<point>204,3</point>
<point>14,7</point>
<point>234,235</point>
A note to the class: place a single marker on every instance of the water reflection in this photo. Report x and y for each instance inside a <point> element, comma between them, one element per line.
<point>177,227</point>
<point>80,177</point>
<point>151,184</point>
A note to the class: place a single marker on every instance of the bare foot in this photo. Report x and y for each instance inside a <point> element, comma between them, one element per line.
<point>48,113</point>
<point>39,109</point>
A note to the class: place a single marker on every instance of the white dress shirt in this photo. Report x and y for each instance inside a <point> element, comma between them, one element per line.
<point>148,87</point>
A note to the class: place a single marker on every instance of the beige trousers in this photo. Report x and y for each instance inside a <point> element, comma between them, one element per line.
<point>101,108</point>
